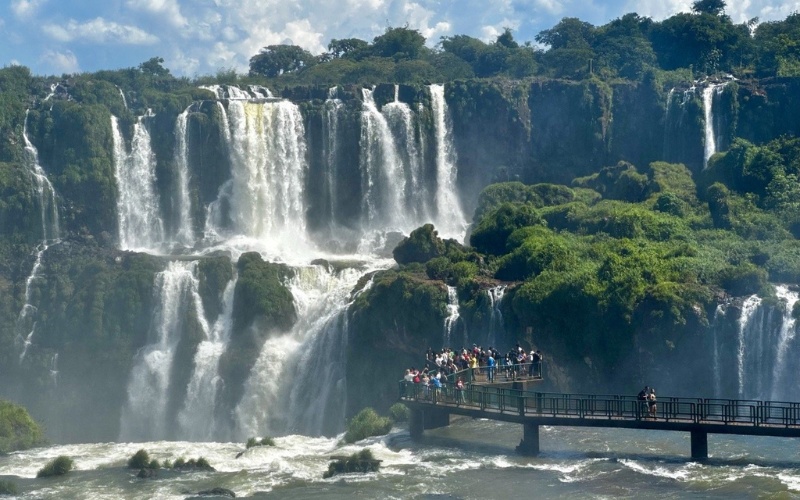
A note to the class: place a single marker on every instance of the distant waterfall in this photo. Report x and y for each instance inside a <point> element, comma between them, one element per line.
<point>138,208</point>
<point>145,416</point>
<point>48,208</point>
<point>268,156</point>
<point>750,325</point>
<point>711,134</point>
<point>234,92</point>
<point>197,417</point>
<point>401,122</point>
<point>383,182</point>
<point>496,325</point>
<point>786,365</point>
<point>449,216</point>
<point>184,233</point>
<point>297,383</point>
<point>330,141</point>
<point>452,316</point>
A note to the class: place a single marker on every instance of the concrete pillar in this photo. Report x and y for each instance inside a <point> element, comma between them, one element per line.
<point>699,445</point>
<point>530,440</point>
<point>435,418</point>
<point>416,425</point>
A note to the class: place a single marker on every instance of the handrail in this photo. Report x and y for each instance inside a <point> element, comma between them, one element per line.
<point>604,406</point>
<point>520,371</point>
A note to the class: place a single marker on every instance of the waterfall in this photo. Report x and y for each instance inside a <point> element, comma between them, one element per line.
<point>48,209</point>
<point>54,369</point>
<point>496,325</point>
<point>197,417</point>
<point>297,383</point>
<point>383,184</point>
<point>214,212</point>
<point>138,212</point>
<point>717,367</point>
<point>234,92</point>
<point>330,140</point>
<point>401,122</point>
<point>268,156</point>
<point>788,331</point>
<point>452,316</point>
<point>709,94</point>
<point>449,219</point>
<point>746,325</point>
<point>145,416</point>
<point>124,101</point>
<point>184,233</point>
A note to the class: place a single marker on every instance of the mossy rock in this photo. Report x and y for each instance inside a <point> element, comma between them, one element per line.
<point>18,431</point>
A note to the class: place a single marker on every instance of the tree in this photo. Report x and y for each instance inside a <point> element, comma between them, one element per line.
<point>506,39</point>
<point>275,60</point>
<point>346,47</point>
<point>153,67</point>
<point>713,7</point>
<point>399,43</point>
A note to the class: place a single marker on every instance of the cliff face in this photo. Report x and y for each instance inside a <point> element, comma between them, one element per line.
<point>95,303</point>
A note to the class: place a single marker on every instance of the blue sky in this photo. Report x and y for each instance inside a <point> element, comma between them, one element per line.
<point>199,37</point>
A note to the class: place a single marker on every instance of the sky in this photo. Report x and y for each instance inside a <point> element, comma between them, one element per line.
<point>201,37</point>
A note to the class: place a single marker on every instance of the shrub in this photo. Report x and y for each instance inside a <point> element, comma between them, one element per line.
<point>18,431</point>
<point>365,424</point>
<point>56,467</point>
<point>362,461</point>
<point>265,441</point>
<point>154,464</point>
<point>422,245</point>
<point>400,412</point>
<point>179,463</point>
<point>8,488</point>
<point>139,460</point>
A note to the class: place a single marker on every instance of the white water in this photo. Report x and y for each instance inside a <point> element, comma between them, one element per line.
<point>124,101</point>
<point>330,142</point>
<point>496,325</point>
<point>452,316</point>
<point>138,209</point>
<point>708,109</point>
<point>46,195</point>
<point>234,92</point>
<point>177,302</point>
<point>788,331</point>
<point>449,219</point>
<point>382,179</point>
<point>184,234</point>
<point>197,418</point>
<point>749,309</point>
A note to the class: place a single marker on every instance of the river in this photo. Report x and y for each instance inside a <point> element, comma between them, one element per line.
<point>470,459</point>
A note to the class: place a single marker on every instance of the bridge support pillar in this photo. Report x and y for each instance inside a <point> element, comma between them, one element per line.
<point>699,445</point>
<point>421,420</point>
<point>530,440</point>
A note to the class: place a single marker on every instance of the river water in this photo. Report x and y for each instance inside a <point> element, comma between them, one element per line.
<point>470,459</point>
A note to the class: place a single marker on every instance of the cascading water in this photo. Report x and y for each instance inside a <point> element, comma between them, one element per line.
<point>452,316</point>
<point>145,416</point>
<point>138,212</point>
<point>268,156</point>
<point>196,419</point>
<point>383,183</point>
<point>711,141</point>
<point>401,122</point>
<point>234,92</point>
<point>496,325</point>
<point>747,324</point>
<point>449,215</point>
<point>788,331</point>
<point>297,382</point>
<point>46,197</point>
<point>330,141</point>
<point>184,234</point>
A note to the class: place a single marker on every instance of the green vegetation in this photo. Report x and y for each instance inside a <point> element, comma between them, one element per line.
<point>361,462</point>
<point>8,488</point>
<point>18,431</point>
<point>139,460</point>
<point>399,412</point>
<point>365,424</point>
<point>56,467</point>
<point>265,441</point>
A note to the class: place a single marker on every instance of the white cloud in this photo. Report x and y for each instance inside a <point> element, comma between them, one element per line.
<point>166,10</point>
<point>61,62</point>
<point>99,30</point>
<point>658,10</point>
<point>25,9</point>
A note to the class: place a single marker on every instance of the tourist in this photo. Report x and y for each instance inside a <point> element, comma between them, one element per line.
<point>537,363</point>
<point>642,397</point>
<point>490,368</point>
<point>651,401</point>
<point>460,391</point>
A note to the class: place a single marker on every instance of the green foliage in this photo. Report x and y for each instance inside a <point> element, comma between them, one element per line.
<point>366,423</point>
<point>620,182</point>
<point>56,467</point>
<point>139,460</point>
<point>8,488</point>
<point>398,43</point>
<point>422,245</point>
<point>179,463</point>
<point>260,293</point>
<point>275,60</point>
<point>743,279</point>
<point>265,441</point>
<point>18,431</point>
<point>492,231</point>
<point>361,462</point>
<point>399,412</point>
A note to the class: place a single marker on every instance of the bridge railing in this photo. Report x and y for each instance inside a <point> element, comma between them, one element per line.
<point>527,403</point>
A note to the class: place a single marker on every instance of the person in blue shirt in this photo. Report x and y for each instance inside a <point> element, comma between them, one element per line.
<point>490,368</point>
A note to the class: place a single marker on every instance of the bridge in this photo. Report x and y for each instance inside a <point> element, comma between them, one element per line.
<point>512,402</point>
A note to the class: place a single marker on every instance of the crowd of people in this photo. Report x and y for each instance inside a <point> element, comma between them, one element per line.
<point>458,367</point>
